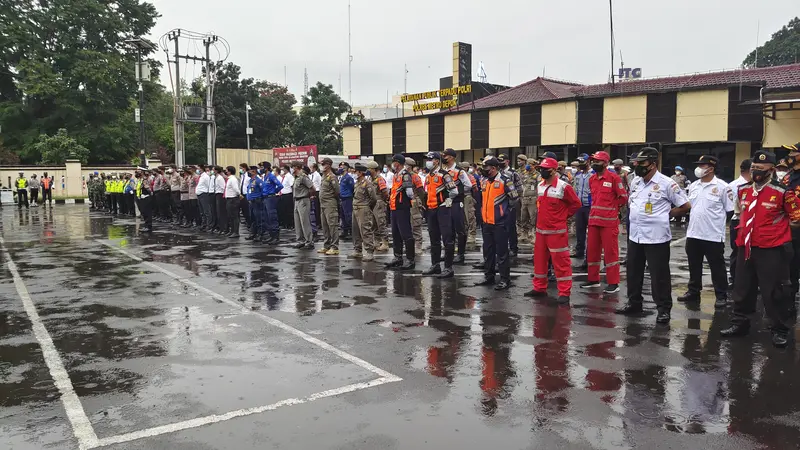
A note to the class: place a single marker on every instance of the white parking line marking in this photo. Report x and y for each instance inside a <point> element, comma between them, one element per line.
<point>216,418</point>
<point>84,432</point>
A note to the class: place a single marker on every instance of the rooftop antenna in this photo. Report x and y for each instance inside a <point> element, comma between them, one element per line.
<point>481,72</point>
<point>305,81</point>
<point>611,21</point>
<point>758,31</point>
<point>349,59</point>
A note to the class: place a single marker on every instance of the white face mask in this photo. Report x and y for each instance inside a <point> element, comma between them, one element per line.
<point>780,174</point>
<point>429,165</point>
<point>385,170</point>
<point>470,170</point>
<point>699,172</point>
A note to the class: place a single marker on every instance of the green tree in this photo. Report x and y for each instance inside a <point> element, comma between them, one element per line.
<point>65,64</point>
<point>782,48</point>
<point>320,120</point>
<point>60,147</point>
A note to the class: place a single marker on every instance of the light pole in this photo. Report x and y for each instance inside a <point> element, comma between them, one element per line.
<point>141,45</point>
<point>248,131</point>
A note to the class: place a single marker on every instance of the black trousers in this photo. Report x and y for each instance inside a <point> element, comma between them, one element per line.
<point>440,230</point>
<point>495,249</point>
<point>317,217</point>
<point>22,198</point>
<point>204,203</point>
<point>767,272</point>
<point>164,201</point>
<point>131,200</point>
<point>657,258</point>
<point>244,207</point>
<point>459,226</point>
<point>146,208</point>
<point>286,210</point>
<point>401,233</point>
<point>232,206</point>
<point>794,266</point>
<point>221,214</point>
<point>714,252</point>
<point>581,226</point>
<point>34,196</point>
<point>734,248</point>
<point>47,195</point>
<point>175,204</point>
<point>511,226</point>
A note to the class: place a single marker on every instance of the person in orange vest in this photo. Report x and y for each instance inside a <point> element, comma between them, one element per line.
<point>47,189</point>
<point>608,194</point>
<point>400,205</point>
<point>498,193</point>
<point>441,192</point>
<point>557,202</point>
<point>768,210</point>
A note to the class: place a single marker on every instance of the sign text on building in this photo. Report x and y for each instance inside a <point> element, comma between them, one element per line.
<point>449,92</point>
<point>435,105</point>
<point>627,72</point>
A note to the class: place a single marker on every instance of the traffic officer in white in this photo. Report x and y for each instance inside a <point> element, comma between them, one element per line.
<point>651,201</point>
<point>712,201</point>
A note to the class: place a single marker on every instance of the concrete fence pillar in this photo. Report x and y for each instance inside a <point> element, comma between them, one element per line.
<point>73,178</point>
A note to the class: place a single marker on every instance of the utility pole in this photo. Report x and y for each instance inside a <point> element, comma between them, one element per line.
<point>349,59</point>
<point>210,153</point>
<point>141,45</point>
<point>248,131</point>
<point>180,154</point>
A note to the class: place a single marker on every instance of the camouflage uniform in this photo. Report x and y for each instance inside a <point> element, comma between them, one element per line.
<point>530,180</point>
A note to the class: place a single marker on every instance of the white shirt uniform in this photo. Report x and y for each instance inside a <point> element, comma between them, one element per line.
<point>203,184</point>
<point>735,186</point>
<point>316,178</point>
<point>219,184</point>
<point>244,184</point>
<point>388,177</point>
<point>288,182</point>
<point>710,204</point>
<point>232,189</point>
<point>649,204</point>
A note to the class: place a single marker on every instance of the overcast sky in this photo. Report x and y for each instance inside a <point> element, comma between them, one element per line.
<point>567,39</point>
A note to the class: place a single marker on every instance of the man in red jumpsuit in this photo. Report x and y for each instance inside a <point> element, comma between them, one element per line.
<point>608,195</point>
<point>557,202</point>
<point>765,249</point>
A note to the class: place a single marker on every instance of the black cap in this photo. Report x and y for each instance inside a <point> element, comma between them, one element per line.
<point>708,159</point>
<point>449,152</point>
<point>549,155</point>
<point>646,154</point>
<point>764,157</point>
<point>327,161</point>
<point>360,167</point>
<point>502,158</point>
<point>793,148</point>
<point>434,155</point>
<point>746,163</point>
<point>490,161</point>
<point>346,164</point>
<point>253,168</point>
<point>399,158</point>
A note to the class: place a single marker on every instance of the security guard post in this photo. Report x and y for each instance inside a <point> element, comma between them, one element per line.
<point>303,190</point>
<point>791,181</point>
<point>580,181</point>
<point>145,197</point>
<point>744,178</point>
<point>469,205</point>
<point>379,211</point>
<point>417,205</point>
<point>255,194</point>
<point>608,194</point>
<point>400,205</point>
<point>441,193</point>
<point>464,186</point>
<point>712,202</point>
<point>514,206</point>
<point>498,191</point>
<point>364,200</point>
<point>765,245</point>
<point>557,202</point>
<point>529,190</point>
<point>22,191</point>
<point>270,190</point>
<point>651,206</point>
<point>329,208</point>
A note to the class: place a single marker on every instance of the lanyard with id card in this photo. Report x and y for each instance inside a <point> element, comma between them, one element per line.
<point>648,207</point>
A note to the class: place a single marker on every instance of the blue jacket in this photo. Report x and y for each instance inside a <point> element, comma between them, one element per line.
<point>346,186</point>
<point>271,185</point>
<point>255,189</point>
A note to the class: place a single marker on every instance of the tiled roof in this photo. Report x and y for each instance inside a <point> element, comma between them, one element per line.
<point>545,89</point>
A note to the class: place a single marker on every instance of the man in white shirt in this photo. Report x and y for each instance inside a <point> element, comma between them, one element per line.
<point>204,196</point>
<point>651,201</point>
<point>743,179</point>
<point>232,192</point>
<point>711,200</point>
<point>219,212</point>
<point>286,201</point>
<point>387,175</point>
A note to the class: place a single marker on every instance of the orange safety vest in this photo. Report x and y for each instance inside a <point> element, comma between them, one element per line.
<point>436,188</point>
<point>397,197</point>
<point>45,183</point>
<point>495,200</point>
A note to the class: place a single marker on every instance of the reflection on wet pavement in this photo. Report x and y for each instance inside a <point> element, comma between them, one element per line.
<point>584,375</point>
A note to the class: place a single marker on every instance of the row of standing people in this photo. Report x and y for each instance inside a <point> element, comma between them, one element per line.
<point>33,186</point>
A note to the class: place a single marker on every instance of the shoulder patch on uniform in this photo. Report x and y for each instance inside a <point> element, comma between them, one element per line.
<point>730,195</point>
<point>620,186</point>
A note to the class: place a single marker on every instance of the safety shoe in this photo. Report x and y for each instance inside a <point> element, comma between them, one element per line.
<point>432,270</point>
<point>689,297</point>
<point>736,330</point>
<point>323,250</point>
<point>356,255</point>
<point>485,282</point>
<point>630,309</point>
<point>368,257</point>
<point>447,273</point>
<point>332,251</point>
<point>396,262</point>
<point>611,289</point>
<point>408,265</point>
<point>563,300</point>
<point>590,285</point>
<point>502,285</point>
<point>535,293</point>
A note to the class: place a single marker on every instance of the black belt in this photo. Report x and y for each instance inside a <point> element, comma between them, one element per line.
<point>299,198</point>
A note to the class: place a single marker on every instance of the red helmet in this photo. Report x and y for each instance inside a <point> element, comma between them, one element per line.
<point>548,163</point>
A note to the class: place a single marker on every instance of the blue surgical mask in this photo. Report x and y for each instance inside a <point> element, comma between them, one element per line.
<point>198,171</point>
<point>528,167</point>
<point>340,171</point>
<point>385,169</point>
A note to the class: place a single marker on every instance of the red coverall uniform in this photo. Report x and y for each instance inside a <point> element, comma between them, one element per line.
<point>557,201</point>
<point>608,194</point>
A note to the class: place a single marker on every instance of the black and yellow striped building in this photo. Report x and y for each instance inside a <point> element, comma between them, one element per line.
<point>729,114</point>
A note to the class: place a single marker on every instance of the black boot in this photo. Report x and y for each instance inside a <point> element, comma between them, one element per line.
<point>690,296</point>
<point>434,269</point>
<point>395,263</point>
<point>736,329</point>
<point>502,285</point>
<point>408,265</point>
<point>630,309</point>
<point>488,281</point>
<point>663,317</point>
<point>447,273</point>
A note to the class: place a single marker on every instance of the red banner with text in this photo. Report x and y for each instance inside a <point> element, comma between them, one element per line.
<point>307,154</point>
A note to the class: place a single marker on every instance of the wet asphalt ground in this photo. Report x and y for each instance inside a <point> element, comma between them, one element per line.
<point>174,340</point>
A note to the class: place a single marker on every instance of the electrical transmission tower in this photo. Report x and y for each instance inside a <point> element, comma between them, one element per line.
<point>193,111</point>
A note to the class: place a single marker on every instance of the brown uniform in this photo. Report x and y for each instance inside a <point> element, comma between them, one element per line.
<point>364,199</point>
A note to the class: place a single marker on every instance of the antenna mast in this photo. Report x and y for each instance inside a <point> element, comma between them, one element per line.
<point>611,20</point>
<point>305,81</point>
<point>349,60</point>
